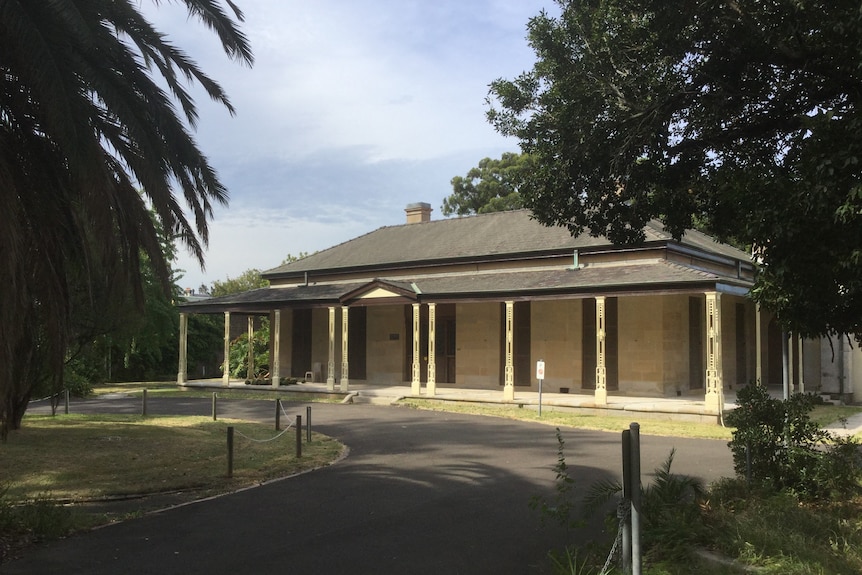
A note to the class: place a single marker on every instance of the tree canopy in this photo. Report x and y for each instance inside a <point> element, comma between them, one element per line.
<point>248,280</point>
<point>85,123</point>
<point>492,186</point>
<point>743,115</point>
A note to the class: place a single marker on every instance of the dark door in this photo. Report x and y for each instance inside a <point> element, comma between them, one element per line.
<point>356,342</point>
<point>445,343</point>
<point>522,343</point>
<point>741,346</point>
<point>300,353</point>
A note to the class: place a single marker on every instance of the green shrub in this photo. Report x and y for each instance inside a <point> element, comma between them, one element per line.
<point>782,448</point>
<point>36,520</point>
<point>238,360</point>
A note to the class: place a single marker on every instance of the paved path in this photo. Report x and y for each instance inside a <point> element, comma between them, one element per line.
<point>421,492</point>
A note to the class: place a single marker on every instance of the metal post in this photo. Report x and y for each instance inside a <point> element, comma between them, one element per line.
<point>298,436</point>
<point>144,403</point>
<point>215,405</point>
<point>278,414</point>
<point>230,451</point>
<point>636,498</point>
<point>626,553</point>
<point>308,424</point>
<point>540,375</point>
<point>540,398</point>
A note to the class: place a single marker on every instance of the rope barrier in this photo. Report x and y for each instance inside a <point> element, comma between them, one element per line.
<point>241,434</point>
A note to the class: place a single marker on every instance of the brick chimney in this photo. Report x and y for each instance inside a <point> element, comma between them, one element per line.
<point>418,212</point>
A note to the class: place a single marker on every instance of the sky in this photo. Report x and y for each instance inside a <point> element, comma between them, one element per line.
<point>352,110</point>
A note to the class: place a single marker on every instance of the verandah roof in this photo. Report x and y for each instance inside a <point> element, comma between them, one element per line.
<point>658,276</point>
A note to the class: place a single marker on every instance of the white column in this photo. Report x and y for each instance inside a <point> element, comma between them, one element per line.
<point>758,353</point>
<point>432,350</point>
<point>790,362</point>
<point>801,368</point>
<point>714,400</point>
<point>182,373</point>
<point>225,378</point>
<point>330,365</point>
<point>249,373</point>
<point>601,394</point>
<point>509,381</point>
<point>275,360</point>
<point>415,374</point>
<point>345,366</point>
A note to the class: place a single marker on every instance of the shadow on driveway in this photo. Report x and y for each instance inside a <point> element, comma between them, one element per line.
<point>420,493</point>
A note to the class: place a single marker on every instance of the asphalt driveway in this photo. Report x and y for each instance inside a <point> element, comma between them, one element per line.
<point>420,492</point>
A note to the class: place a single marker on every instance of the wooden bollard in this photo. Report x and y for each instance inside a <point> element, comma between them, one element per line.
<point>308,424</point>
<point>298,436</point>
<point>230,452</point>
<point>278,414</point>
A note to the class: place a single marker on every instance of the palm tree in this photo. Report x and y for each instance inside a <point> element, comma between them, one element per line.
<point>89,142</point>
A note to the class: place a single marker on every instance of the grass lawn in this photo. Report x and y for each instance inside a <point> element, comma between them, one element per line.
<point>71,472</point>
<point>171,389</point>
<point>75,457</point>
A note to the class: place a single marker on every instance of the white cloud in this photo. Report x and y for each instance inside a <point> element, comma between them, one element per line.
<point>360,106</point>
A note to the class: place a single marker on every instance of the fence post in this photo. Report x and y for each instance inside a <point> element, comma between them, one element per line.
<point>215,405</point>
<point>67,401</point>
<point>308,424</point>
<point>230,451</point>
<point>625,505</point>
<point>636,498</point>
<point>144,403</point>
<point>298,436</point>
<point>278,414</point>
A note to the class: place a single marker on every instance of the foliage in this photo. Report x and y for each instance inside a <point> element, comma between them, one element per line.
<point>671,512</point>
<point>290,258</point>
<point>492,186</point>
<point>561,509</point>
<point>248,280</point>
<point>205,337</point>
<point>239,353</point>
<point>130,343</point>
<point>744,116</point>
<point>572,561</point>
<point>779,535</point>
<point>25,523</point>
<point>84,119</point>
<point>788,451</point>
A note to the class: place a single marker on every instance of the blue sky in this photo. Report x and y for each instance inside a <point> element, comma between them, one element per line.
<point>353,110</point>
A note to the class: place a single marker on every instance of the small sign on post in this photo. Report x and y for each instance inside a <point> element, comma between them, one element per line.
<point>540,375</point>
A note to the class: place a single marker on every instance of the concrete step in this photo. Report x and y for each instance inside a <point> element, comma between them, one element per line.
<point>373,399</point>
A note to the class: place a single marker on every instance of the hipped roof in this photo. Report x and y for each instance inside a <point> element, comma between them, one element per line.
<point>498,235</point>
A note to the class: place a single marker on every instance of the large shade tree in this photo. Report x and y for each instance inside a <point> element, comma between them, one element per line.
<point>744,117</point>
<point>492,186</point>
<point>84,124</point>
